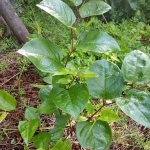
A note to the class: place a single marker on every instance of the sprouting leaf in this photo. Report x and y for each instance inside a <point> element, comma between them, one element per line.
<point>7,101</point>
<point>108,115</point>
<point>59,10</point>
<point>93,7</point>
<point>44,54</point>
<point>94,135</point>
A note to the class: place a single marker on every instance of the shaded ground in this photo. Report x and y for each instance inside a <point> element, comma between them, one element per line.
<point>127,137</point>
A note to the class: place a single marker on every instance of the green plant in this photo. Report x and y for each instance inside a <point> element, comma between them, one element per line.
<point>74,87</point>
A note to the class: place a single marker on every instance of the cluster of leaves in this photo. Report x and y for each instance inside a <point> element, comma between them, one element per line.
<point>72,89</point>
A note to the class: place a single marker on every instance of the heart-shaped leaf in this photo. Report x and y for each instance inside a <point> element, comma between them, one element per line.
<point>97,41</point>
<point>44,54</point>
<point>136,105</point>
<point>93,7</point>
<point>136,67</point>
<point>59,10</point>
<point>71,101</point>
<point>76,2</point>
<point>27,129</point>
<point>7,101</point>
<point>94,135</point>
<point>109,84</point>
<point>41,140</point>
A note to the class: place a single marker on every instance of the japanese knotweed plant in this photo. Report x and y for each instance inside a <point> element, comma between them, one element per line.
<point>71,89</point>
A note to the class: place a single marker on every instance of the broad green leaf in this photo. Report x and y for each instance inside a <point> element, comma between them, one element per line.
<point>136,105</point>
<point>27,129</point>
<point>93,7</point>
<point>97,41</point>
<point>59,10</point>
<point>108,115</point>
<point>47,107</point>
<point>61,145</point>
<point>58,130</point>
<point>71,101</point>
<point>7,101</point>
<point>44,94</point>
<point>3,116</point>
<point>41,140</point>
<point>94,135</point>
<point>31,113</point>
<point>76,2</point>
<point>136,67</point>
<point>44,54</point>
<point>109,84</point>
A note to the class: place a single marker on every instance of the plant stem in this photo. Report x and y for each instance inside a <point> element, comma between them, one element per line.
<point>72,47</point>
<point>104,104</point>
<point>97,111</point>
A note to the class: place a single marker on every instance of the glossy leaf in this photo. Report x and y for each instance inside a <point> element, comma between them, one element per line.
<point>71,101</point>
<point>59,10</point>
<point>93,7</point>
<point>41,140</point>
<point>58,130</point>
<point>3,116</point>
<point>61,145</point>
<point>27,129</point>
<point>31,113</point>
<point>44,93</point>
<point>47,107</point>
<point>136,67</point>
<point>44,54</point>
<point>108,115</point>
<point>109,84</point>
<point>97,41</point>
<point>136,105</point>
<point>76,2</point>
<point>7,101</point>
<point>94,135</point>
